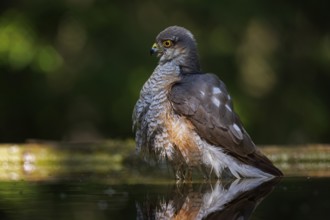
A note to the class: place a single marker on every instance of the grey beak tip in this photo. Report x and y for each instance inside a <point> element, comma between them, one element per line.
<point>152,51</point>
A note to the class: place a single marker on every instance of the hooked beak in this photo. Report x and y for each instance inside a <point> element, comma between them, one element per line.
<point>154,49</point>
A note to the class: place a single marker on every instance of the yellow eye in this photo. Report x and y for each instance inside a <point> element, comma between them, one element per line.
<point>167,43</point>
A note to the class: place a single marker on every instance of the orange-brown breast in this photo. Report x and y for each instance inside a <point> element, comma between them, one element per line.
<point>181,133</point>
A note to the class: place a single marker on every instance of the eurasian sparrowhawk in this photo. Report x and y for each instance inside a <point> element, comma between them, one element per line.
<point>187,117</point>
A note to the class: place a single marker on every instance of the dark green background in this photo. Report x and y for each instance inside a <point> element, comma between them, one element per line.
<point>73,69</point>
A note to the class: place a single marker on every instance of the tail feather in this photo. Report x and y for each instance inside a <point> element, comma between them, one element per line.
<point>263,163</point>
<point>260,161</point>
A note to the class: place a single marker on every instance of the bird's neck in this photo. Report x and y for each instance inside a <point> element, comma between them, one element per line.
<point>161,79</point>
<point>189,63</point>
<point>169,72</point>
<point>186,59</point>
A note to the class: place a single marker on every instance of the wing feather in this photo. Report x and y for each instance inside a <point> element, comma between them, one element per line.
<point>204,100</point>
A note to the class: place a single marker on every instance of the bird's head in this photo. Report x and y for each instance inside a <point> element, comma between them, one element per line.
<point>177,44</point>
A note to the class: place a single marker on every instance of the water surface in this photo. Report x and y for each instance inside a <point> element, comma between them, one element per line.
<point>86,198</point>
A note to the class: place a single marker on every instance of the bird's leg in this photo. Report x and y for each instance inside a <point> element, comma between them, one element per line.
<point>178,170</point>
<point>178,174</point>
<point>178,166</point>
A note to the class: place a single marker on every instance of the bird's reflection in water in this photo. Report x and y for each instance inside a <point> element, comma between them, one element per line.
<point>235,199</point>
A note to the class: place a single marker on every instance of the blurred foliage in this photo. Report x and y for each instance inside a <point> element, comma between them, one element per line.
<point>73,69</point>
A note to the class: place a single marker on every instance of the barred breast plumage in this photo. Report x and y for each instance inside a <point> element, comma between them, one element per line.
<point>151,110</point>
